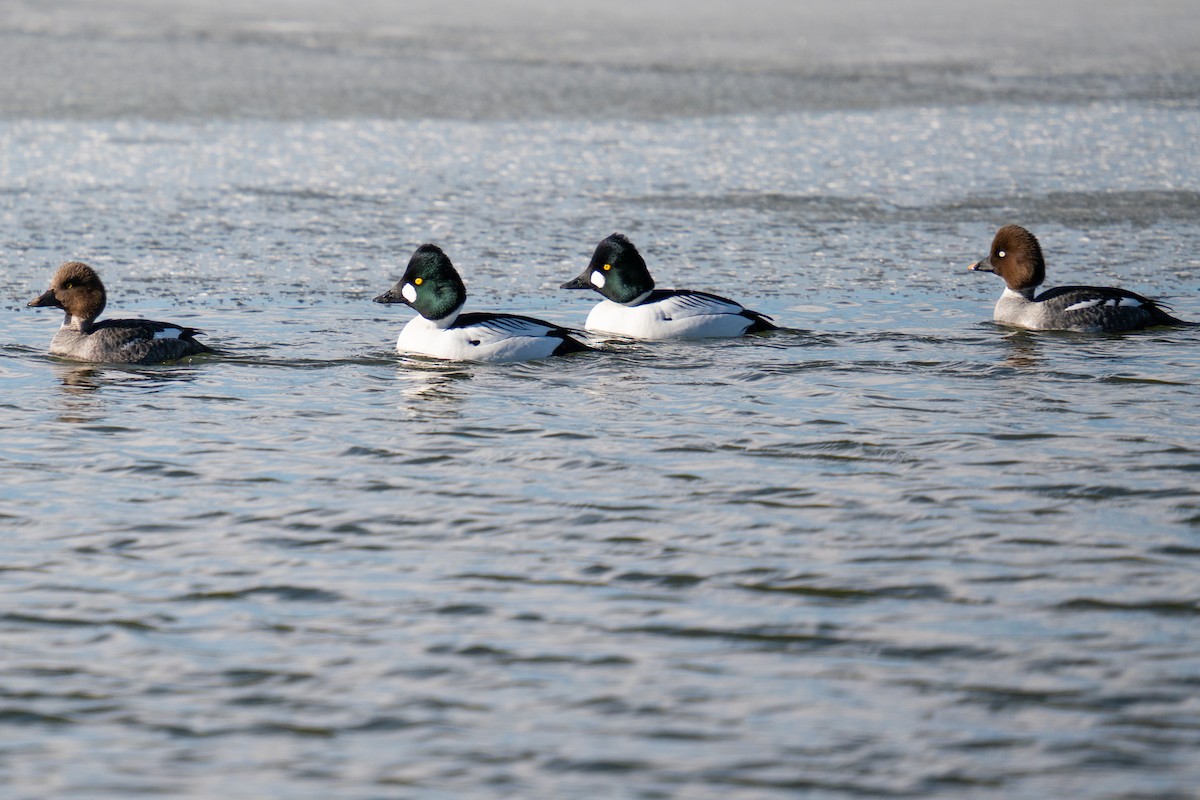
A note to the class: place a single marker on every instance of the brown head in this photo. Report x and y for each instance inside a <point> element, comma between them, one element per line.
<point>1016,257</point>
<point>75,288</point>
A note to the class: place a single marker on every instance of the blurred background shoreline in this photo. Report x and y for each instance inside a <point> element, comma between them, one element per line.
<point>520,59</point>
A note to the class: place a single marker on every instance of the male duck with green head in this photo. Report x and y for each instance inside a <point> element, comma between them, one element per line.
<point>633,307</point>
<point>434,289</point>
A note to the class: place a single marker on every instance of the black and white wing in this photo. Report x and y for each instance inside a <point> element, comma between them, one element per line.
<point>677,304</point>
<point>1100,308</point>
<point>484,328</point>
<point>143,341</point>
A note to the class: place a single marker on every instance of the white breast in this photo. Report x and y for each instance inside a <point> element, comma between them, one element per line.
<point>1014,308</point>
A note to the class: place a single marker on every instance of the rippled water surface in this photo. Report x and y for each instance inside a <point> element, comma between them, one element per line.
<point>892,551</point>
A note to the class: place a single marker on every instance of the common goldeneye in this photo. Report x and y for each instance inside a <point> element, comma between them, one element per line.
<point>633,307</point>
<point>76,288</point>
<point>434,289</point>
<point>1016,257</point>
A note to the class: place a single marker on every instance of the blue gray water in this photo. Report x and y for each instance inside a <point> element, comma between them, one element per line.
<point>895,551</point>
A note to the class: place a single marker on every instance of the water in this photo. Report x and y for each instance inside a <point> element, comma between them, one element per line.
<point>895,551</point>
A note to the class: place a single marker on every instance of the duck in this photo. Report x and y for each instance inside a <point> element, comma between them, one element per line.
<point>1016,256</point>
<point>77,289</point>
<point>632,307</point>
<point>433,288</point>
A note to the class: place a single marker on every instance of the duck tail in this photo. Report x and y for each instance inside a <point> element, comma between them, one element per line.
<point>759,323</point>
<point>1161,316</point>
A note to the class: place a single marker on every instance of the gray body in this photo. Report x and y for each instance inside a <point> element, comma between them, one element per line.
<point>78,291</point>
<point>125,341</point>
<point>1086,309</point>
<point>1016,256</point>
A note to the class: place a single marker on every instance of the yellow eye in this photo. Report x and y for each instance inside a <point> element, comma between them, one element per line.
<point>607,267</point>
<point>68,285</point>
<point>419,281</point>
<point>1001,254</point>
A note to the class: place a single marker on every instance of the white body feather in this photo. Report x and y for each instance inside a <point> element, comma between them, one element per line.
<point>501,338</point>
<point>682,316</point>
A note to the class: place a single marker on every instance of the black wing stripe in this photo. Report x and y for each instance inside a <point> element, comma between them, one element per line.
<point>508,323</point>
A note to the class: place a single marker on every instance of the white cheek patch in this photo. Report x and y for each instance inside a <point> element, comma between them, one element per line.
<point>597,280</point>
<point>169,333</point>
<point>409,291</point>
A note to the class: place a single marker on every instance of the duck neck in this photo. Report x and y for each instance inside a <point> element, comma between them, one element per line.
<point>74,323</point>
<point>448,320</point>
